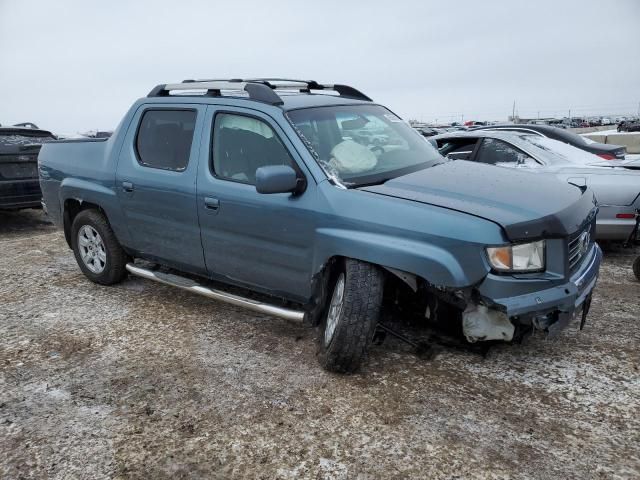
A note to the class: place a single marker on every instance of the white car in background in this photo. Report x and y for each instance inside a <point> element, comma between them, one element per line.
<point>616,183</point>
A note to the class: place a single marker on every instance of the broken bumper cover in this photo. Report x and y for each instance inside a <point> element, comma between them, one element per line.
<point>550,309</point>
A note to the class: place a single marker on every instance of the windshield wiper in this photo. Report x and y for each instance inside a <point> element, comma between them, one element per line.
<point>368,184</point>
<point>380,178</point>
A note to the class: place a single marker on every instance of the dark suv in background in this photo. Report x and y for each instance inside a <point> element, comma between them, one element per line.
<point>19,148</point>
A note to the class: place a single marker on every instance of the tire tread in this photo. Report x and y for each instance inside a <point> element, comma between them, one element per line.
<point>358,320</point>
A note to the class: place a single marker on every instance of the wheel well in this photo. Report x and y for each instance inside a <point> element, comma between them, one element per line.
<point>320,287</point>
<point>399,291</point>
<point>327,275</point>
<point>72,207</point>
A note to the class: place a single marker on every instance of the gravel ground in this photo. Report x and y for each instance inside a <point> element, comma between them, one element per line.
<point>145,381</point>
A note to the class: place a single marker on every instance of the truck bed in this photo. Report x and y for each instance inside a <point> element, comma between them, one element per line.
<point>65,163</point>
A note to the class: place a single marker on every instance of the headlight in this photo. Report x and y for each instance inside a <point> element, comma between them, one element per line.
<point>524,257</point>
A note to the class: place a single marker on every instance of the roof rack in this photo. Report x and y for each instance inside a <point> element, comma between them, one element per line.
<point>260,89</point>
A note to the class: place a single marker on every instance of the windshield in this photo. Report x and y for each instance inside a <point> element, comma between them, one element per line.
<point>362,144</point>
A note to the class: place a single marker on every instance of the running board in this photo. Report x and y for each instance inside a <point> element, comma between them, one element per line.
<point>195,287</point>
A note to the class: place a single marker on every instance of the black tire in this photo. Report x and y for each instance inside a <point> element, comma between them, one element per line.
<point>115,259</point>
<point>357,319</point>
<point>636,268</point>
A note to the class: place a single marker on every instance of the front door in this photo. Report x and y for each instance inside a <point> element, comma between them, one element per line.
<point>263,241</point>
<point>156,184</point>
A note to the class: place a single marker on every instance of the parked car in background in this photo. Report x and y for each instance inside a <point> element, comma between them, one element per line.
<point>19,182</point>
<point>266,186</point>
<point>616,183</point>
<point>603,150</point>
<point>97,134</point>
<point>427,131</point>
<point>629,126</point>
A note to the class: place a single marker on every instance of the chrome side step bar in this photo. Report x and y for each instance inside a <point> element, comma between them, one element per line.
<point>195,287</point>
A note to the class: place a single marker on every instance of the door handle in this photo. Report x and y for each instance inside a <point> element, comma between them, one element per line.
<point>127,186</point>
<point>211,203</point>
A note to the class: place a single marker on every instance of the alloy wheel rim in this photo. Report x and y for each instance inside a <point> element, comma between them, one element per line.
<point>335,309</point>
<point>92,250</point>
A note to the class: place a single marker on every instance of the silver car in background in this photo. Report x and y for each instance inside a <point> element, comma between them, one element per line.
<point>616,184</point>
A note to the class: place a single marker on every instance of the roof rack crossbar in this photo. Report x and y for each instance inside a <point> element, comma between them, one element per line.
<point>261,89</point>
<point>308,85</point>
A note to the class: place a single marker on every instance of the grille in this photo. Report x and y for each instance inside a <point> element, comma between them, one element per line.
<point>580,244</point>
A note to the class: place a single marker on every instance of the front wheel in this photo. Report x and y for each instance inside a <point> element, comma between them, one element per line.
<point>636,268</point>
<point>351,317</point>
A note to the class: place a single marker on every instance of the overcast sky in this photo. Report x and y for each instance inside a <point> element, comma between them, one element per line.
<point>73,66</point>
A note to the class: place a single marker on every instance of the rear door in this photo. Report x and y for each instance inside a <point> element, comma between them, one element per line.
<point>263,241</point>
<point>156,184</point>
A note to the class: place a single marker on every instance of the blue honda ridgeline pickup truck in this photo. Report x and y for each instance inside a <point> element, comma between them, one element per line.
<point>313,203</point>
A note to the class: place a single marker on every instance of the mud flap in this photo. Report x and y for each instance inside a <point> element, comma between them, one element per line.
<point>585,311</point>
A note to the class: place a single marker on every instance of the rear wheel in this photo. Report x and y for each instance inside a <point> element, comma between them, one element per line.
<point>351,317</point>
<point>636,268</point>
<point>97,251</point>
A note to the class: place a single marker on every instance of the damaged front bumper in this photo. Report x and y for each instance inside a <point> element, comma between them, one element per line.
<point>549,309</point>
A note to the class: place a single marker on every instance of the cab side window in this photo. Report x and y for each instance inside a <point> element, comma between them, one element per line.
<point>497,152</point>
<point>164,138</point>
<point>242,144</point>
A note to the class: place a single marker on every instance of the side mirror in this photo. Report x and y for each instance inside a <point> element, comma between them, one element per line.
<point>277,179</point>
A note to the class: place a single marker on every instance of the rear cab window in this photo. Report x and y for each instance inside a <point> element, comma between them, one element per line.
<point>164,138</point>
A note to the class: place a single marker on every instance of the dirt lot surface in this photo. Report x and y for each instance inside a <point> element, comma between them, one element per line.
<point>145,381</point>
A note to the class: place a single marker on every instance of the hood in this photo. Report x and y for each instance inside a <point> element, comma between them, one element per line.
<point>526,205</point>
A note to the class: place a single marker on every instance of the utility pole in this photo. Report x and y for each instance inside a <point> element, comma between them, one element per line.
<point>513,112</point>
